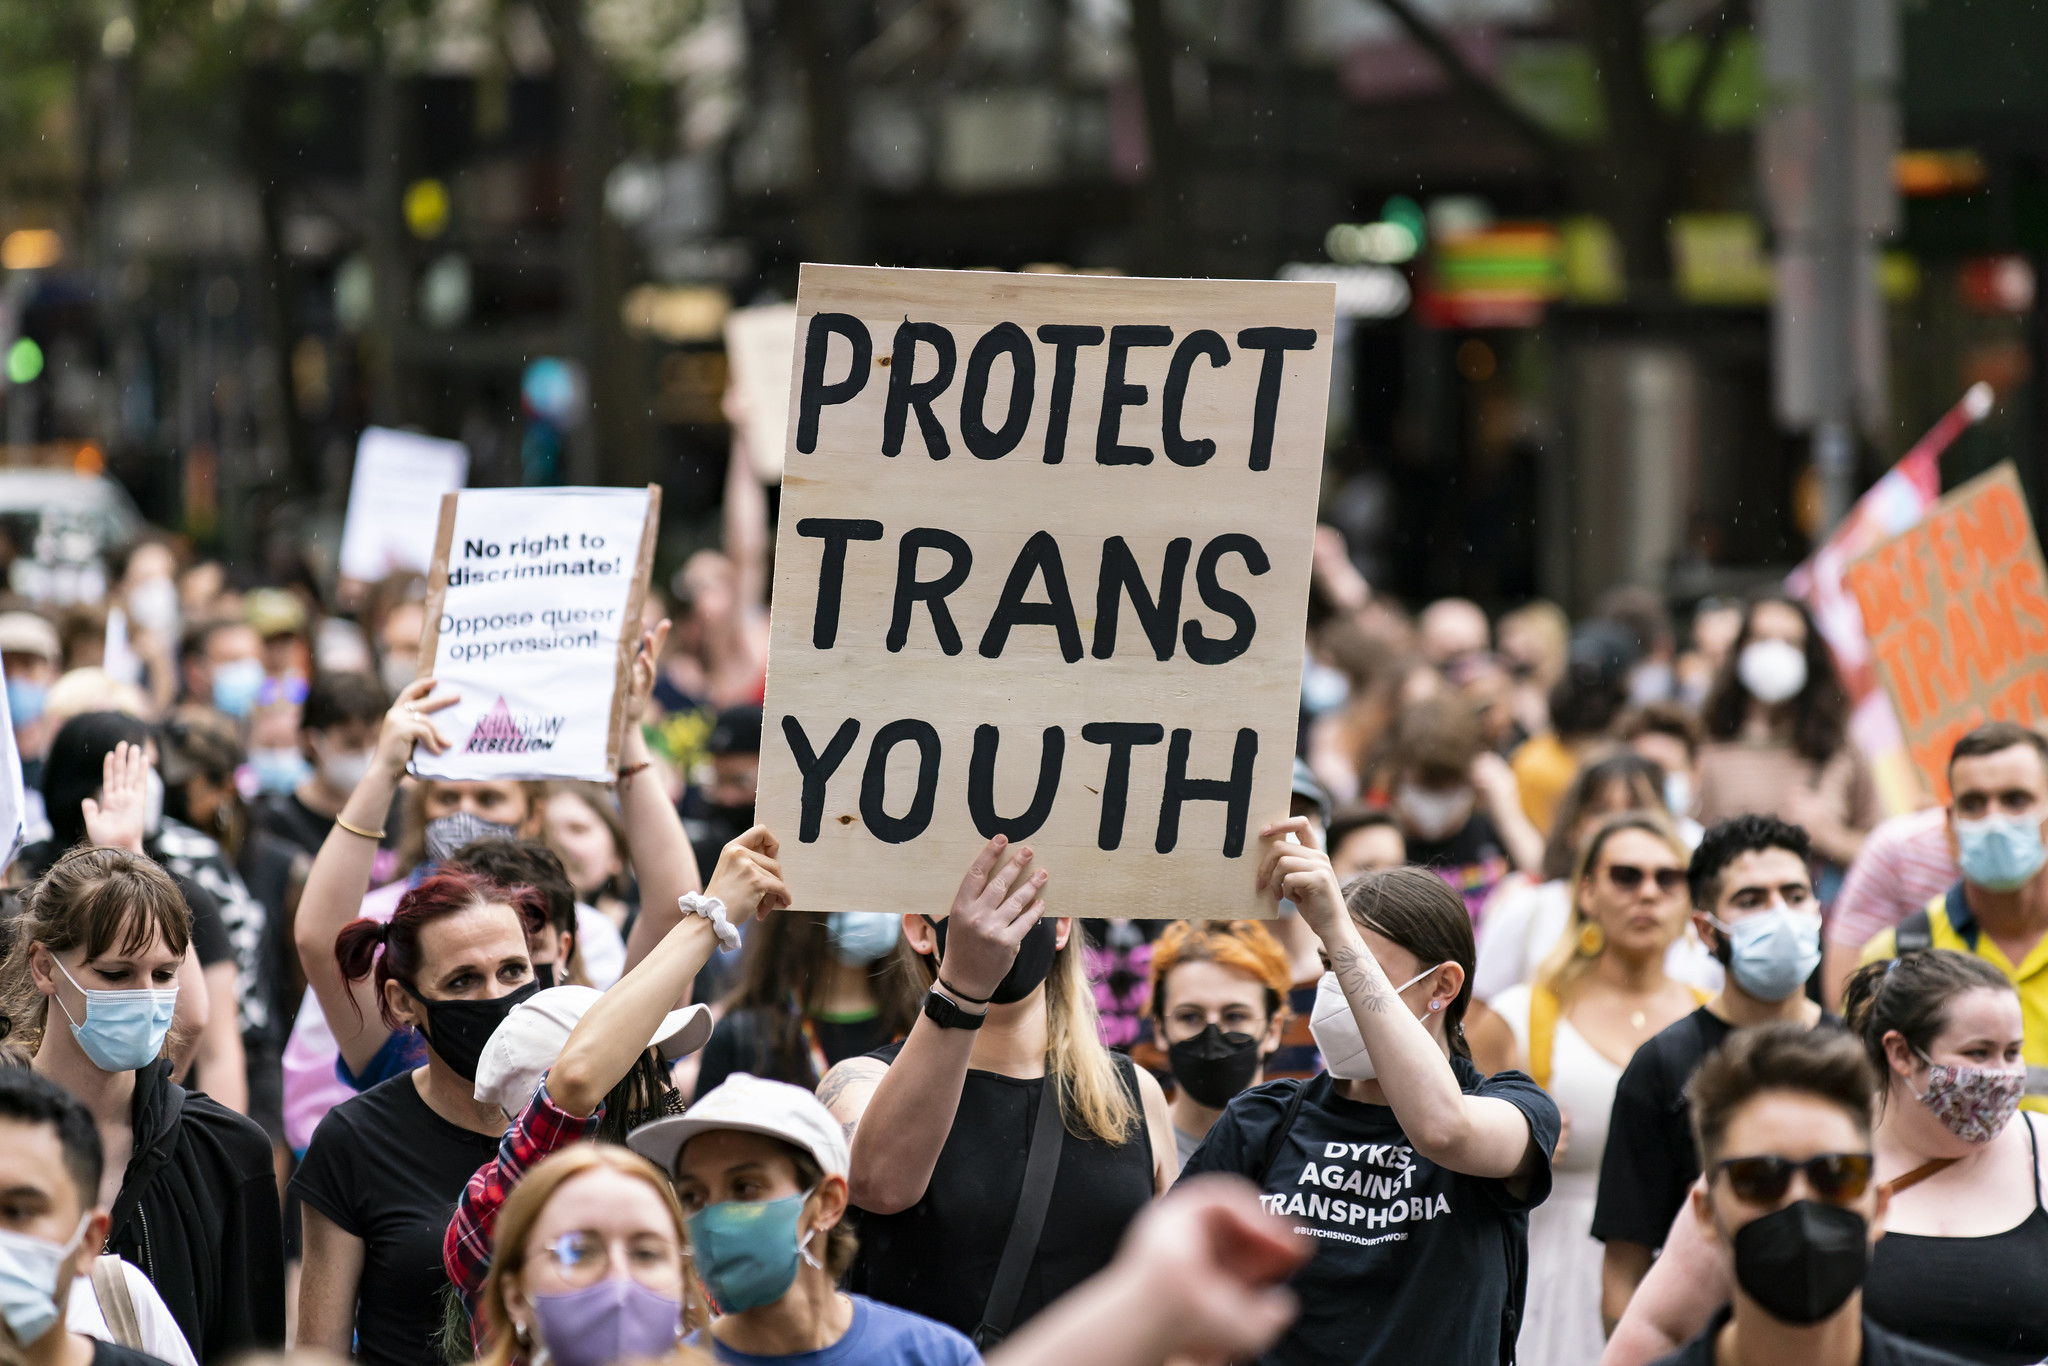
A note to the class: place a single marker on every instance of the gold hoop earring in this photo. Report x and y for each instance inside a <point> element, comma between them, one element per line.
<point>1592,939</point>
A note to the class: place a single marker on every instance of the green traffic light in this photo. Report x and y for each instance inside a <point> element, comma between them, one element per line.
<point>24,360</point>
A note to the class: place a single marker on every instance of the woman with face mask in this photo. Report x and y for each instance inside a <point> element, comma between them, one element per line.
<point>1219,993</point>
<point>384,1168</point>
<point>947,1123</point>
<point>1963,1265</point>
<point>760,1172</point>
<point>814,990</point>
<point>1778,744</point>
<point>588,1267</point>
<point>89,989</point>
<point>1412,1173</point>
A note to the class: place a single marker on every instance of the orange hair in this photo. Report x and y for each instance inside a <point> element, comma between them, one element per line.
<point>1245,945</point>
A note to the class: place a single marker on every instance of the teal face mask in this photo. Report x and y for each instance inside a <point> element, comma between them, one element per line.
<point>123,1030</point>
<point>747,1250</point>
<point>2000,853</point>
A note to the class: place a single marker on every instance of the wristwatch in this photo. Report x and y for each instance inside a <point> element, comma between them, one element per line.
<point>947,1014</point>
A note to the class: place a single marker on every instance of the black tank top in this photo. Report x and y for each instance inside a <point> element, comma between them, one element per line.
<point>938,1258</point>
<point>1982,1299</point>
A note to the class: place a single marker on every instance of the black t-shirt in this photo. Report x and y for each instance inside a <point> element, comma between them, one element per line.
<point>294,822</point>
<point>1413,1262</point>
<point>1650,1162</point>
<point>1472,860</point>
<point>1880,1348</point>
<point>113,1354</point>
<point>938,1258</point>
<point>384,1167</point>
<point>743,1042</point>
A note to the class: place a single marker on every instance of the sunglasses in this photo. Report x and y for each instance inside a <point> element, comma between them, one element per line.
<point>1835,1177</point>
<point>1626,877</point>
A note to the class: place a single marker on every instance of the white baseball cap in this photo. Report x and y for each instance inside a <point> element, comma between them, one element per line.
<point>754,1105</point>
<point>529,1040</point>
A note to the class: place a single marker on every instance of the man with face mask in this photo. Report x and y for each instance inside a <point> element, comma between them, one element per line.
<point>51,1225</point>
<point>338,738</point>
<point>1219,993</point>
<point>221,663</point>
<point>1998,804</point>
<point>1753,905</point>
<point>1458,804</point>
<point>1782,1119</point>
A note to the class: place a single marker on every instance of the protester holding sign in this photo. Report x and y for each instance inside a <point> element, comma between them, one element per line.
<point>89,989</point>
<point>956,1129</point>
<point>1413,1173</point>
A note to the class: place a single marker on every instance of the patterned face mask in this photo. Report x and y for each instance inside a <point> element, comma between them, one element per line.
<point>1974,1102</point>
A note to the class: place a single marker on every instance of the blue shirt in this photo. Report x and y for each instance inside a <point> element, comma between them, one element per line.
<point>880,1333</point>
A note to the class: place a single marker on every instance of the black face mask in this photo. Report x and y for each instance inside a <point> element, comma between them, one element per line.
<point>1033,965</point>
<point>458,1030</point>
<point>1214,1066</point>
<point>1801,1262</point>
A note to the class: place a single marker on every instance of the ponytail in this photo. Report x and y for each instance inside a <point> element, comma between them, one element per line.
<point>1910,994</point>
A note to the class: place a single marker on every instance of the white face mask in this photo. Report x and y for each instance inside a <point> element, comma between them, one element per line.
<point>345,768</point>
<point>1774,671</point>
<point>1335,1029</point>
<point>1433,815</point>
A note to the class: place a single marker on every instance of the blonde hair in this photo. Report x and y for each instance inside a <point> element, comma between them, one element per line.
<point>522,1210</point>
<point>1567,960</point>
<point>1092,1096</point>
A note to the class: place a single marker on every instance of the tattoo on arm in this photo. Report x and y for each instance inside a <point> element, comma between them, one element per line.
<point>1360,974</point>
<point>848,1073</point>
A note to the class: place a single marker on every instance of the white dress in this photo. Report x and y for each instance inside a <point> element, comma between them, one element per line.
<point>1561,1316</point>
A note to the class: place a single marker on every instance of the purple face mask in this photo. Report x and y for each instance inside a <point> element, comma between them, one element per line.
<point>614,1320</point>
<point>1974,1102</point>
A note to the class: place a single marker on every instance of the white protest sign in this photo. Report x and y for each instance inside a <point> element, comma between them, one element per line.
<point>394,499</point>
<point>759,344</point>
<point>13,794</point>
<point>1042,570</point>
<point>533,616</point>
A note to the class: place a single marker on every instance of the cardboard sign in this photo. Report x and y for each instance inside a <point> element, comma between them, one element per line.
<point>393,498</point>
<point>759,343</point>
<point>1957,614</point>
<point>533,617</point>
<point>1042,570</point>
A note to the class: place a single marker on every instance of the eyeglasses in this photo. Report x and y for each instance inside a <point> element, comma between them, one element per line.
<point>584,1258</point>
<point>1763,1180</point>
<point>1626,877</point>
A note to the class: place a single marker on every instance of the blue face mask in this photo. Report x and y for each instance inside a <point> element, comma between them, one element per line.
<point>860,937</point>
<point>747,1250</point>
<point>29,1268</point>
<point>2000,853</point>
<point>235,685</point>
<point>278,770</point>
<point>123,1030</point>
<point>1771,955</point>
<point>25,700</point>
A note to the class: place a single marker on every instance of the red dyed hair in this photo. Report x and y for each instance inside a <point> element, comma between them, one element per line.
<point>440,896</point>
<point>1245,945</point>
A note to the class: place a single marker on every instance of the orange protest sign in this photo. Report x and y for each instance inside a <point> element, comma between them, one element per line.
<point>1957,614</point>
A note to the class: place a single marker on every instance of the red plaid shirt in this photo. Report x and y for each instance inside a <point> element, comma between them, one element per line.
<point>541,1128</point>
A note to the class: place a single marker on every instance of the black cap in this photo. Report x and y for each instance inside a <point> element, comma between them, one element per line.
<point>738,731</point>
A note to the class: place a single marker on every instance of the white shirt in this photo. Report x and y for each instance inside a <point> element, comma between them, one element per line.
<point>600,946</point>
<point>161,1336</point>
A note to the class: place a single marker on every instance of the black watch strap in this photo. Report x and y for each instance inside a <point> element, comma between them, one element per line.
<point>947,1014</point>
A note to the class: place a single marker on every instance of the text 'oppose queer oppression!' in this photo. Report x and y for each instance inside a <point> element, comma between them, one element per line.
<point>1042,570</point>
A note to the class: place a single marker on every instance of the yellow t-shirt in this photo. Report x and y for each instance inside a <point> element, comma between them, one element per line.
<point>2029,979</point>
<point>1544,767</point>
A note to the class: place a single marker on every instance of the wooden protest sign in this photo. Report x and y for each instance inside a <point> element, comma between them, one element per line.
<point>1042,569</point>
<point>533,617</point>
<point>1956,609</point>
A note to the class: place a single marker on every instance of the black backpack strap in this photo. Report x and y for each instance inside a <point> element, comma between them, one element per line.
<point>1280,1133</point>
<point>1915,934</point>
<point>1020,1249</point>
